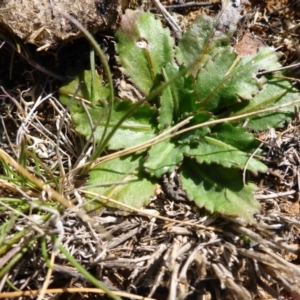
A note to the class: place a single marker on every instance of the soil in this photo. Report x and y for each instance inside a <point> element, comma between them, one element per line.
<point>176,251</point>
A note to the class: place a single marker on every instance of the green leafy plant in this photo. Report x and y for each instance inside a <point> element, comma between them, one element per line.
<point>203,79</point>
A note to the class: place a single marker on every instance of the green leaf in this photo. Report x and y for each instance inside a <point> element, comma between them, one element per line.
<point>221,79</point>
<point>210,150</point>
<point>164,157</point>
<point>199,40</point>
<point>275,92</point>
<point>235,136</point>
<point>219,88</point>
<point>83,85</point>
<point>179,98</point>
<point>122,179</point>
<point>137,128</point>
<point>193,136</point>
<point>144,47</point>
<point>166,109</point>
<point>187,96</point>
<point>169,98</point>
<point>218,189</point>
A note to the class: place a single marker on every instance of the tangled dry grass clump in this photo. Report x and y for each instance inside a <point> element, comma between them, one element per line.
<point>170,249</point>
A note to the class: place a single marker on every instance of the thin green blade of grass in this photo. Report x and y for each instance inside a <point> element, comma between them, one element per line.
<point>97,49</point>
<point>15,239</point>
<point>6,227</point>
<point>86,274</point>
<point>5,269</point>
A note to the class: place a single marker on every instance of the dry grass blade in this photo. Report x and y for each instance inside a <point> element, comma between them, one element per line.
<point>71,291</point>
<point>52,194</point>
<point>177,30</point>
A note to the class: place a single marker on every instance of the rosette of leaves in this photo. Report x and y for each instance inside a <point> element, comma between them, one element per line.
<point>207,82</point>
